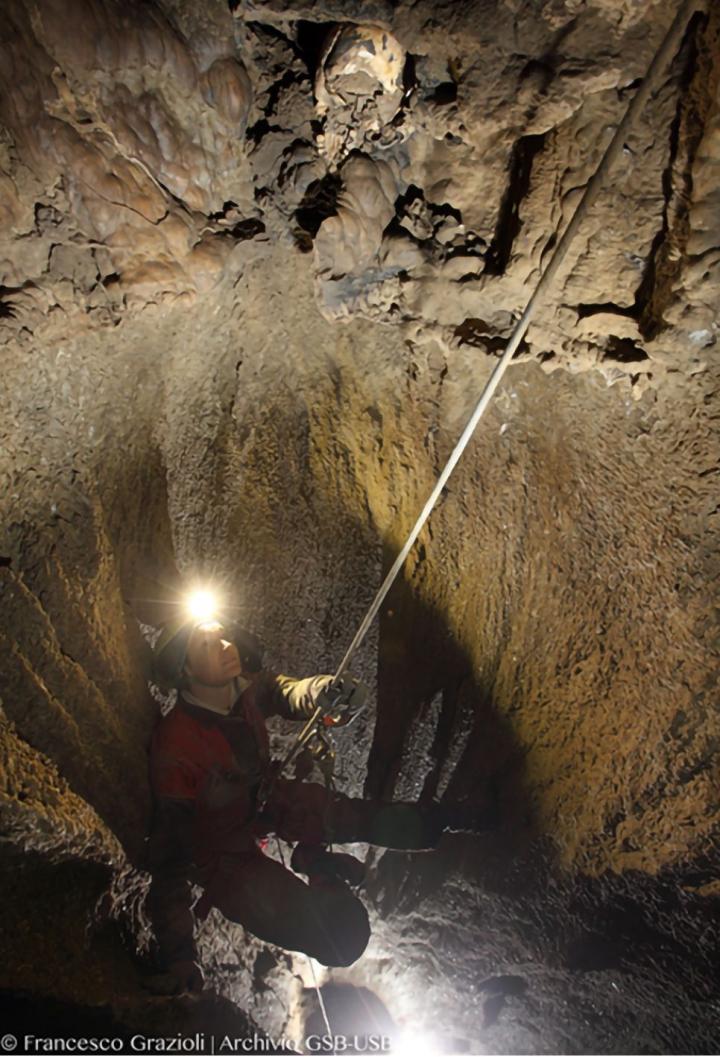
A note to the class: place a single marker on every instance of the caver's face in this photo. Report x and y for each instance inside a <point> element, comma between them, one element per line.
<point>211,659</point>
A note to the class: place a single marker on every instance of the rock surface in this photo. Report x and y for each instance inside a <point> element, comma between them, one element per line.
<point>257,262</point>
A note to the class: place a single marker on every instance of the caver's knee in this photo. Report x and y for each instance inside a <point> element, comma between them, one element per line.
<point>343,935</point>
<point>324,919</point>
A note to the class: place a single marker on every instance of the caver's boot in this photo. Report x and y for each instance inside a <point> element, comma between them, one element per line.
<point>447,817</point>
<point>419,827</point>
<point>316,862</point>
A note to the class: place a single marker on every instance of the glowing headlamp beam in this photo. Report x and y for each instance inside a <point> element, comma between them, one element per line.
<point>201,605</point>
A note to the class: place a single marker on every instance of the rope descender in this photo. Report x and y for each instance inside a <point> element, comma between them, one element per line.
<point>337,705</point>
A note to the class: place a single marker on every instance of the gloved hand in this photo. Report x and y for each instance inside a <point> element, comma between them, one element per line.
<point>180,978</point>
<point>344,700</point>
<point>302,696</point>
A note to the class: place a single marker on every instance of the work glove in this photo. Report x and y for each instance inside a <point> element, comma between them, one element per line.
<point>345,700</point>
<point>185,977</point>
<point>304,695</point>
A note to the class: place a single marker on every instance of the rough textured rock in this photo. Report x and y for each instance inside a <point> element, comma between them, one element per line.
<point>122,143</point>
<point>249,296</point>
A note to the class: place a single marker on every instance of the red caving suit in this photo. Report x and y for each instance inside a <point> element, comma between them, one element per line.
<point>205,770</point>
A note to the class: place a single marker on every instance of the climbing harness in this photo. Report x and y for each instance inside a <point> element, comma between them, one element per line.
<point>334,709</point>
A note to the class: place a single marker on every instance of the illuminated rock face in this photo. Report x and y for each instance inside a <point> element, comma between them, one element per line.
<point>255,266</point>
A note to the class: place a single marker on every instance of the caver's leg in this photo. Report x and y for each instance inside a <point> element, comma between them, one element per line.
<point>308,812</point>
<point>323,919</point>
<point>317,861</point>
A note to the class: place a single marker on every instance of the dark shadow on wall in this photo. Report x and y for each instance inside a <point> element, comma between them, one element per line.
<point>66,972</point>
<point>474,757</point>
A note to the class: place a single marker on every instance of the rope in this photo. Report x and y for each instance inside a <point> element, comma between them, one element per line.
<point>321,1000</point>
<point>667,50</point>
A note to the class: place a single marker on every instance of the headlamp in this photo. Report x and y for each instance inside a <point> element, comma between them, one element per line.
<point>202,605</point>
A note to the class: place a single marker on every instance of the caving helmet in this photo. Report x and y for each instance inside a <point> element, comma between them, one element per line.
<point>170,650</point>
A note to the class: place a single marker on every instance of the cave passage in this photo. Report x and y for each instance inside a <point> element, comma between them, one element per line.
<point>259,261</point>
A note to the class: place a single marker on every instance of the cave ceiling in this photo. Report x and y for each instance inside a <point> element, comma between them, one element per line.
<point>420,156</point>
